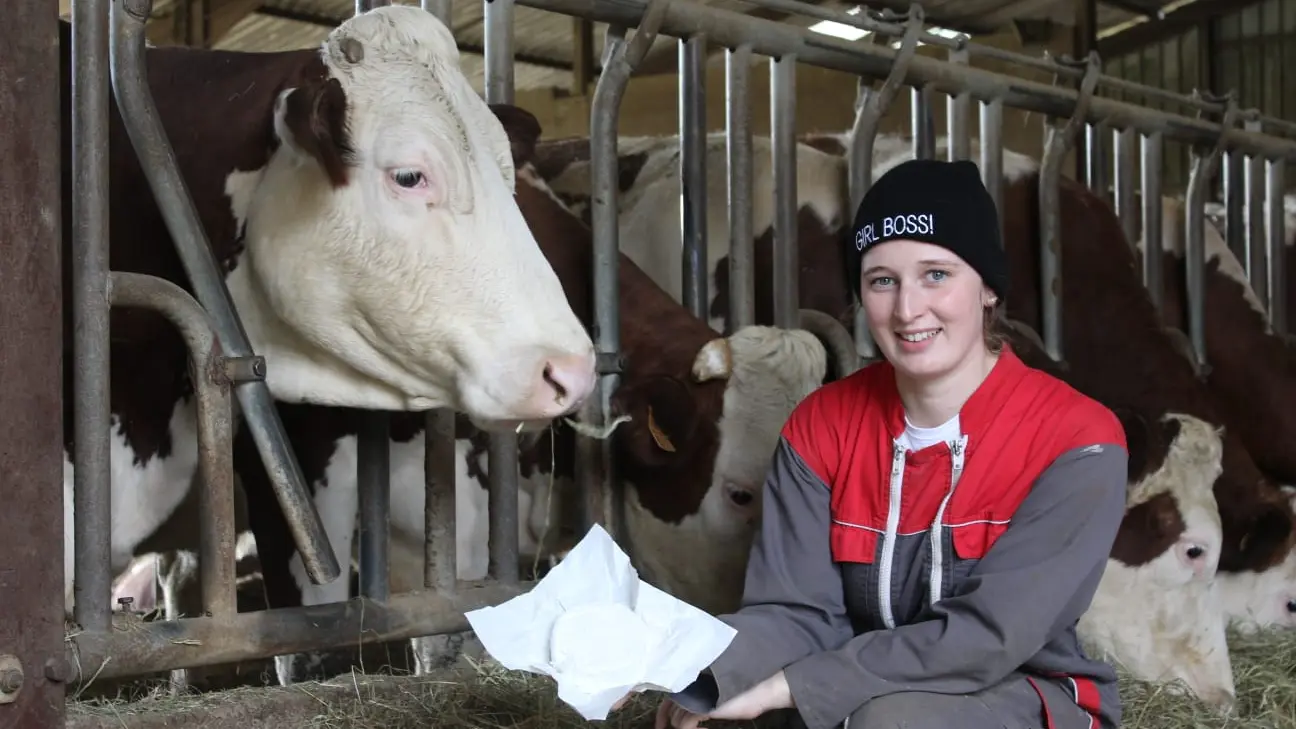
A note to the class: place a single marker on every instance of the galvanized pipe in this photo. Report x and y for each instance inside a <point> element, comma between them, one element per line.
<point>738,145</point>
<point>215,430</point>
<point>783,141</point>
<point>146,647</point>
<point>439,8</point>
<point>1153,279</point>
<point>1277,243</point>
<point>692,174</point>
<point>958,112</point>
<point>1203,169</point>
<point>373,475</point>
<point>992,152</point>
<point>595,474</point>
<point>1098,161</point>
<point>91,373</point>
<point>922,122</point>
<point>1124,141</point>
<point>771,38</point>
<point>1058,140</point>
<point>1234,203</point>
<point>158,161</point>
<point>870,106</point>
<point>502,450</point>
<point>1254,194</point>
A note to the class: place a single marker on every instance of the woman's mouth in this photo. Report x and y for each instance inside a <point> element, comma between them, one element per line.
<point>919,336</point>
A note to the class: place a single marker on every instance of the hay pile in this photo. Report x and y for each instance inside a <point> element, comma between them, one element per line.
<point>485,696</point>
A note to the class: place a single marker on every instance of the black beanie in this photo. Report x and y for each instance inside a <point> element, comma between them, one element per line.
<point>937,202</point>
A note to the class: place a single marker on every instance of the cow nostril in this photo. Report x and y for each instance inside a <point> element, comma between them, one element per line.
<point>560,391</point>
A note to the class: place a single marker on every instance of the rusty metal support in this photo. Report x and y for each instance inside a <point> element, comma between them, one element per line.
<point>215,440</point>
<point>31,364</point>
<point>209,641</point>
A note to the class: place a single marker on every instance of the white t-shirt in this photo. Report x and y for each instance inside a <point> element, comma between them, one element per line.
<point>916,438</point>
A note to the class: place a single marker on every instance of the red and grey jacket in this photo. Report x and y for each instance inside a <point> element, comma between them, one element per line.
<point>878,570</point>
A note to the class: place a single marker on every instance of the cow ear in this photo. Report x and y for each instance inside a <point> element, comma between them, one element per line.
<point>311,121</point>
<point>1147,530</point>
<point>663,419</point>
<point>1137,441</point>
<point>523,131</point>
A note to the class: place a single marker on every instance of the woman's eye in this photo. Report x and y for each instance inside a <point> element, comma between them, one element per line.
<point>407,178</point>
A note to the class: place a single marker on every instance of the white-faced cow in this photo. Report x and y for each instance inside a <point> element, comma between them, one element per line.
<point>704,414</point>
<point>358,199</point>
<point>1136,368</point>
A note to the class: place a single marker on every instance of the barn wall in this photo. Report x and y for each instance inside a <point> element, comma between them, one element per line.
<point>826,100</point>
<point>1251,51</point>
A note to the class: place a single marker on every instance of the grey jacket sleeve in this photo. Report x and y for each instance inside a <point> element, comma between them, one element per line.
<point>1037,579</point>
<point>792,602</point>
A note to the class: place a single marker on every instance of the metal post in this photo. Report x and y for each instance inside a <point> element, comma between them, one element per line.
<point>1254,193</point>
<point>1058,139</point>
<point>373,475</point>
<point>738,140</point>
<point>157,158</point>
<point>1234,202</point>
<point>502,451</point>
<point>958,111</point>
<point>787,306</point>
<point>1277,243</point>
<point>692,173</point>
<point>922,122</point>
<point>1125,141</point>
<point>1097,160</point>
<point>1203,169</point>
<point>870,106</point>
<point>92,479</point>
<point>1153,279</point>
<point>440,558</point>
<point>992,152</point>
<point>595,474</point>
<point>32,667</point>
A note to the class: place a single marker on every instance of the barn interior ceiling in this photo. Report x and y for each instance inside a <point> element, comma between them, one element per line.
<point>554,48</point>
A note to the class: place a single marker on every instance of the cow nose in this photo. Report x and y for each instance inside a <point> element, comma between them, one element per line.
<point>569,379</point>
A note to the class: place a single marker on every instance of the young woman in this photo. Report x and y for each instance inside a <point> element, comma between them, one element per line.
<point>935,524</point>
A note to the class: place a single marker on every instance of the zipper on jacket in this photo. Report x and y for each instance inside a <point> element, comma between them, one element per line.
<point>957,450</point>
<point>892,530</point>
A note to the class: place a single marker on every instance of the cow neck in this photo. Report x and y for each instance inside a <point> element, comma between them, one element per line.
<point>976,415</point>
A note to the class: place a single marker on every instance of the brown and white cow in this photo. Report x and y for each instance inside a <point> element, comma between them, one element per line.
<point>704,414</point>
<point>358,198</point>
<point>1137,370</point>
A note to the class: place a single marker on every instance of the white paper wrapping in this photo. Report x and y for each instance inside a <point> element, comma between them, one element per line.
<point>600,631</point>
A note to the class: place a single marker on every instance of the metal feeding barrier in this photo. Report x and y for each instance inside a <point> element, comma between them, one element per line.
<point>108,40</point>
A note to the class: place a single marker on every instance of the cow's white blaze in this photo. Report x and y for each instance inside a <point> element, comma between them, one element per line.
<point>702,558</point>
<point>417,284</point>
<point>1163,620</point>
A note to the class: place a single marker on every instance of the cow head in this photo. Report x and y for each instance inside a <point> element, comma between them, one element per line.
<point>391,262</point>
<point>1264,598</point>
<point>1164,561</point>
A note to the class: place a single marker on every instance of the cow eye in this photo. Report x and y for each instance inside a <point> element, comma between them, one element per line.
<point>1291,606</point>
<point>1194,552</point>
<point>407,178</point>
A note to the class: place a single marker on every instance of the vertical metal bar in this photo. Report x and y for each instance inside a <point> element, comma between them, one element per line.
<point>440,558</point>
<point>92,480</point>
<point>1098,161</point>
<point>1153,280</point>
<point>158,161</point>
<point>1255,196</point>
<point>692,172</point>
<point>992,151</point>
<point>1235,203</point>
<point>373,476</point>
<point>958,111</point>
<point>502,451</point>
<point>499,51</point>
<point>595,467</point>
<point>1277,243</point>
<point>1204,167</point>
<point>787,307</point>
<point>742,274</point>
<point>1124,141</point>
<point>31,398</point>
<point>922,122</point>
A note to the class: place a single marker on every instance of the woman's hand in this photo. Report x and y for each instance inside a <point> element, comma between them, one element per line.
<point>768,695</point>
